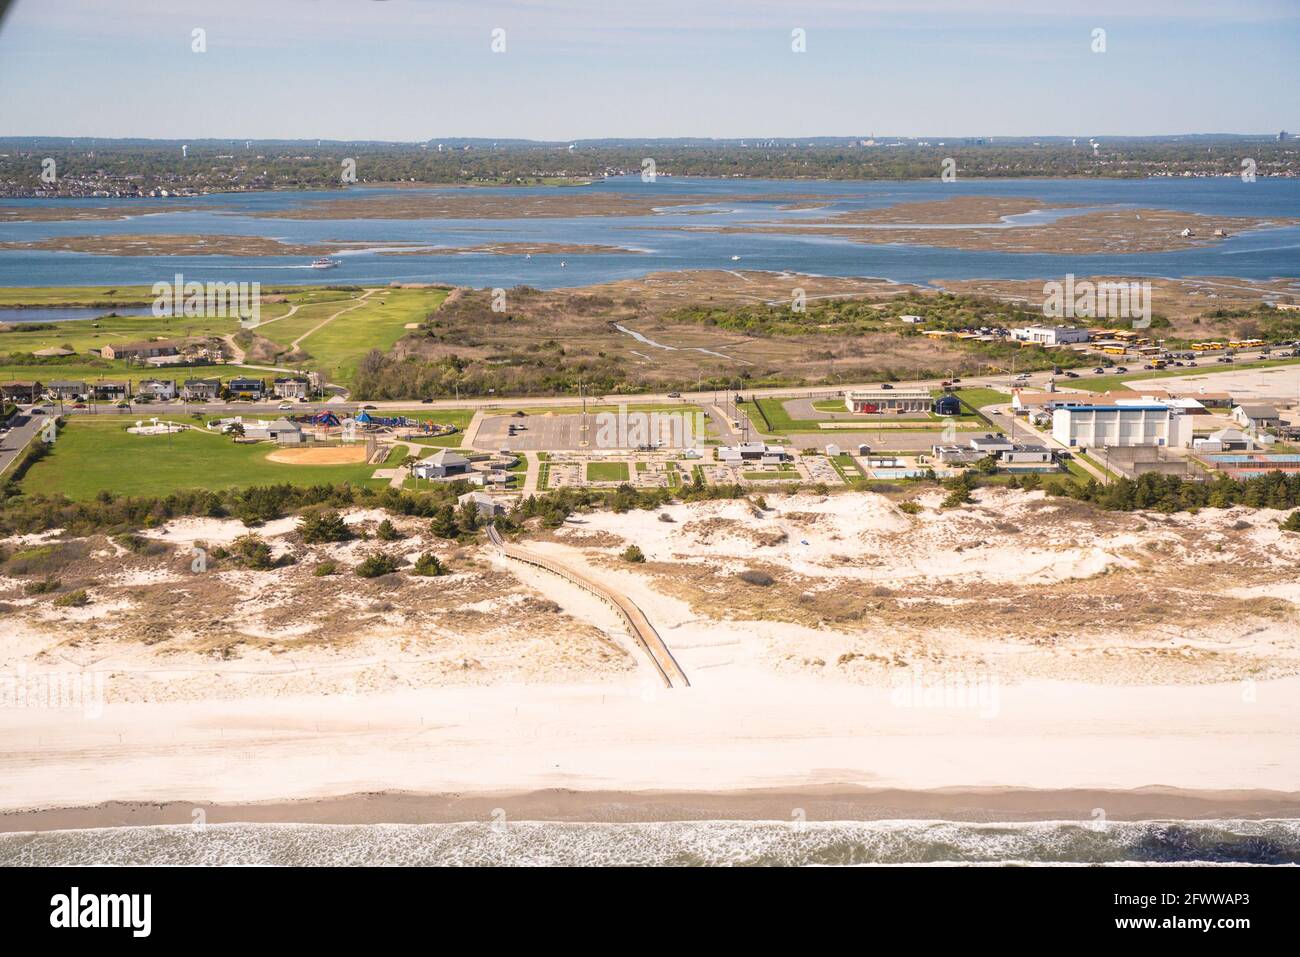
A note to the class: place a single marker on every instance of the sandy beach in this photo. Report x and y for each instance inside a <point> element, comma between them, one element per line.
<point>899,666</point>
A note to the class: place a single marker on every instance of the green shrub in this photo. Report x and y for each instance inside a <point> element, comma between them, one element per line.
<point>633,553</point>
<point>752,576</point>
<point>388,532</point>
<point>909,507</point>
<point>43,587</point>
<point>377,564</point>
<point>327,526</point>
<point>1291,523</point>
<point>430,565</point>
<point>324,568</point>
<point>73,599</point>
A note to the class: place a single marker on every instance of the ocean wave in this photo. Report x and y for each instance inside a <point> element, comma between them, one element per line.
<point>686,843</point>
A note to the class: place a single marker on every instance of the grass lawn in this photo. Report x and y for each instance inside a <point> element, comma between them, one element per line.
<point>607,472</point>
<point>978,398</point>
<point>98,453</point>
<point>848,469</point>
<point>1106,383</point>
<point>785,475</point>
<point>337,347</point>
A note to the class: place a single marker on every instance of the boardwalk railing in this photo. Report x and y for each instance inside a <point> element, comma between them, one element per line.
<point>644,633</point>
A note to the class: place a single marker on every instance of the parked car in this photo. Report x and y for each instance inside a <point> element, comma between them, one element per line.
<point>674,395</point>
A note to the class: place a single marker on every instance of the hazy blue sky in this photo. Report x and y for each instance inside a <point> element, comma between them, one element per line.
<point>414,69</point>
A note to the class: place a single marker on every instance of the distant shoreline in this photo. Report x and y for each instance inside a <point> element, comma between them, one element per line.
<point>812,803</point>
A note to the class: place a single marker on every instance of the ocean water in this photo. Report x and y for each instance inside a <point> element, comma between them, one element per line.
<point>668,240</point>
<point>691,843</point>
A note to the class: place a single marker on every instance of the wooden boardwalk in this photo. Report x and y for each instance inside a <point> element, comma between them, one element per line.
<point>670,672</point>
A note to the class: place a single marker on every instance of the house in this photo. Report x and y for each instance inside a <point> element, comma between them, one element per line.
<point>1225,440</point>
<point>69,390</point>
<point>20,391</point>
<point>1154,424</point>
<point>284,432</point>
<point>991,444</point>
<point>241,385</point>
<point>1050,335</point>
<point>111,390</point>
<point>878,401</point>
<point>487,506</point>
<point>162,389</point>
<point>291,387</point>
<point>141,350</point>
<point>1256,416</point>
<point>200,390</point>
<point>442,464</point>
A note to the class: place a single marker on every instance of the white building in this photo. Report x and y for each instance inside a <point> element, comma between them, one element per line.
<point>1050,335</point>
<point>441,464</point>
<point>752,452</point>
<point>876,401</point>
<point>1095,426</point>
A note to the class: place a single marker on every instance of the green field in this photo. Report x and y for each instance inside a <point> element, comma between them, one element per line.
<point>98,453</point>
<point>607,472</point>
<point>333,346</point>
<point>337,346</point>
<point>978,398</point>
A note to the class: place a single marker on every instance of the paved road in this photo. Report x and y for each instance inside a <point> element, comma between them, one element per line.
<point>1036,381</point>
<point>23,429</point>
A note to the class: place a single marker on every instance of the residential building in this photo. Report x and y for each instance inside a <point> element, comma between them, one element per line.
<point>1050,335</point>
<point>141,350</point>
<point>442,464</point>
<point>878,401</point>
<point>1090,426</point>
<point>20,391</point>
<point>69,390</point>
<point>291,387</point>
<point>162,389</point>
<point>200,389</point>
<point>241,385</point>
<point>107,390</point>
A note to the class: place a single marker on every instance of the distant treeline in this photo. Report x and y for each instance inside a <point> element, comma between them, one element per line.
<point>141,167</point>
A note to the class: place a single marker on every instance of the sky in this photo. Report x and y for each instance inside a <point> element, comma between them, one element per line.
<point>571,69</point>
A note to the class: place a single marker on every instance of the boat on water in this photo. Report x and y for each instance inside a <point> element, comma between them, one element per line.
<point>324,263</point>
<point>735,259</point>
